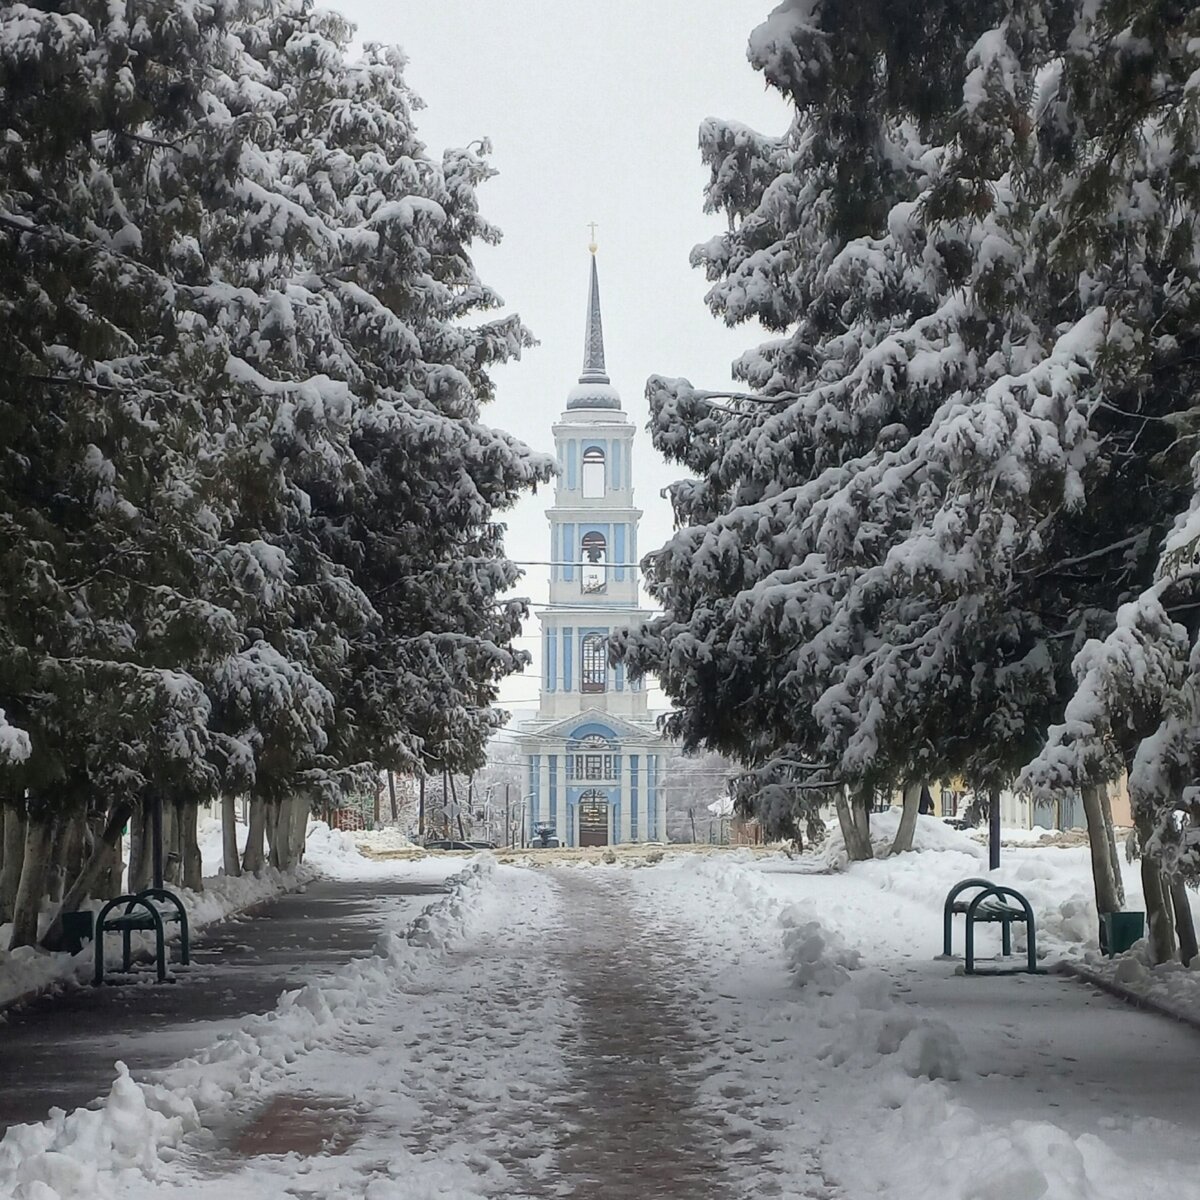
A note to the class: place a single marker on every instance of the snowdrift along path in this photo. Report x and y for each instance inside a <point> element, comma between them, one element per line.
<point>698,1029</point>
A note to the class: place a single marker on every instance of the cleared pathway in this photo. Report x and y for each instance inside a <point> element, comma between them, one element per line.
<point>59,1051</point>
<point>633,1122</point>
<point>687,1032</point>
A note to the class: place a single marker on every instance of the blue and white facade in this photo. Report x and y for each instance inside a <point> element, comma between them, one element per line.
<point>593,751</point>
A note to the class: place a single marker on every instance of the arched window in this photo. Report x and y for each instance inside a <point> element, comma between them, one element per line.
<point>593,473</point>
<point>593,677</point>
<point>593,574</point>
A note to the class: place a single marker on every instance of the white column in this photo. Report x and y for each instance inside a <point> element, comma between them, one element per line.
<point>544,787</point>
<point>660,802</point>
<point>560,791</point>
<point>644,794</point>
<point>626,815</point>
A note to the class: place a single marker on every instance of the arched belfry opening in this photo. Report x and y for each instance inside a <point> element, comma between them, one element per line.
<point>593,473</point>
<point>593,572</point>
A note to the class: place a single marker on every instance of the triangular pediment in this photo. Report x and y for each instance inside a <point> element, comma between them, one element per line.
<point>564,727</point>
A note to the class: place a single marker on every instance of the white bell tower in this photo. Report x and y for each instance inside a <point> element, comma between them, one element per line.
<point>593,750</point>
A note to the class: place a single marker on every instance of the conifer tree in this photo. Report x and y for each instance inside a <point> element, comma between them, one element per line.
<point>247,480</point>
<point>930,502</point>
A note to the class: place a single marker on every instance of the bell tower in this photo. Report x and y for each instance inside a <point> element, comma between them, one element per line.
<point>593,773</point>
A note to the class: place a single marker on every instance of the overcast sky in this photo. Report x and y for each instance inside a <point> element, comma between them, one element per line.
<point>592,111</point>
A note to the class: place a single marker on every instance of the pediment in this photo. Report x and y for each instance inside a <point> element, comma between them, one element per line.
<point>565,727</point>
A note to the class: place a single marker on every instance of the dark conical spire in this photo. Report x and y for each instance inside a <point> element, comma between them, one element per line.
<point>593,342</point>
<point>593,389</point>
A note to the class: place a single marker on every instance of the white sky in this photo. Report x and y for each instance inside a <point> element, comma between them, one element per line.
<point>592,111</point>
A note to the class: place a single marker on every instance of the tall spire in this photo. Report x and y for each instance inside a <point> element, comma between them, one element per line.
<point>593,389</point>
<point>593,343</point>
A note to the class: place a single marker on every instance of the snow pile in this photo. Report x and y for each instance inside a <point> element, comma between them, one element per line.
<point>869,1026</point>
<point>88,1152</point>
<point>930,1146</point>
<point>1056,881</point>
<point>387,838</point>
<point>64,1156</point>
<point>1023,837</point>
<point>817,956</point>
<point>1171,984</point>
<point>331,847</point>
<point>930,833</point>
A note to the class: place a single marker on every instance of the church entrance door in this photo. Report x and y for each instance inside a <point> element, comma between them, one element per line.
<point>593,818</point>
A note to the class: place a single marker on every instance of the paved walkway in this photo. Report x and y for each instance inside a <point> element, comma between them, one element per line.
<point>59,1051</point>
<point>606,1035</point>
<point>635,1064</point>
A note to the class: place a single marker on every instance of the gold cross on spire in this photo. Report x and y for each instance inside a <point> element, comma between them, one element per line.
<point>592,244</point>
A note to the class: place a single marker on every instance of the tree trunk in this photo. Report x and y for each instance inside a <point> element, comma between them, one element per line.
<point>1158,911</point>
<point>193,863</point>
<point>253,859</point>
<point>1105,872</point>
<point>858,842</point>
<point>860,809</point>
<point>99,862</point>
<point>14,858</point>
<point>276,828</point>
<point>141,850</point>
<point>172,856</point>
<point>1159,920</point>
<point>65,856</point>
<point>299,833</point>
<point>908,819</point>
<point>111,880</point>
<point>233,865</point>
<point>31,891</point>
<point>1111,835</point>
<point>1184,925</point>
<point>392,796</point>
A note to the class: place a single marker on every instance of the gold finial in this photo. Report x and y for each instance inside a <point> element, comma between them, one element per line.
<point>592,244</point>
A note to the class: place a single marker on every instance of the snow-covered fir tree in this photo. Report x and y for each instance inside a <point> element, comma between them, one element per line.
<point>954,467</point>
<point>249,505</point>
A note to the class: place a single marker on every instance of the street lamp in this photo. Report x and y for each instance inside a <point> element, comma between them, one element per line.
<point>525,822</point>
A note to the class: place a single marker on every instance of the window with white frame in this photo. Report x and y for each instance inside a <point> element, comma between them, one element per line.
<point>593,676</point>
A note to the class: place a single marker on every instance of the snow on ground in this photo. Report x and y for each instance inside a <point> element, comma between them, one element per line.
<point>28,969</point>
<point>391,1044</point>
<point>389,837</point>
<point>1056,880</point>
<point>886,1072</point>
<point>1058,884</point>
<point>799,1019</point>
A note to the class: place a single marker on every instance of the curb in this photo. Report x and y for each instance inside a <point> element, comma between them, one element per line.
<point>1129,996</point>
<point>78,979</point>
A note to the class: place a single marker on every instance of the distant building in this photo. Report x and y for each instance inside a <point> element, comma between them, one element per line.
<point>592,752</point>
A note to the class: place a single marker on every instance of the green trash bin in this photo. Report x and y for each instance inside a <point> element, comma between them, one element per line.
<point>1121,930</point>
